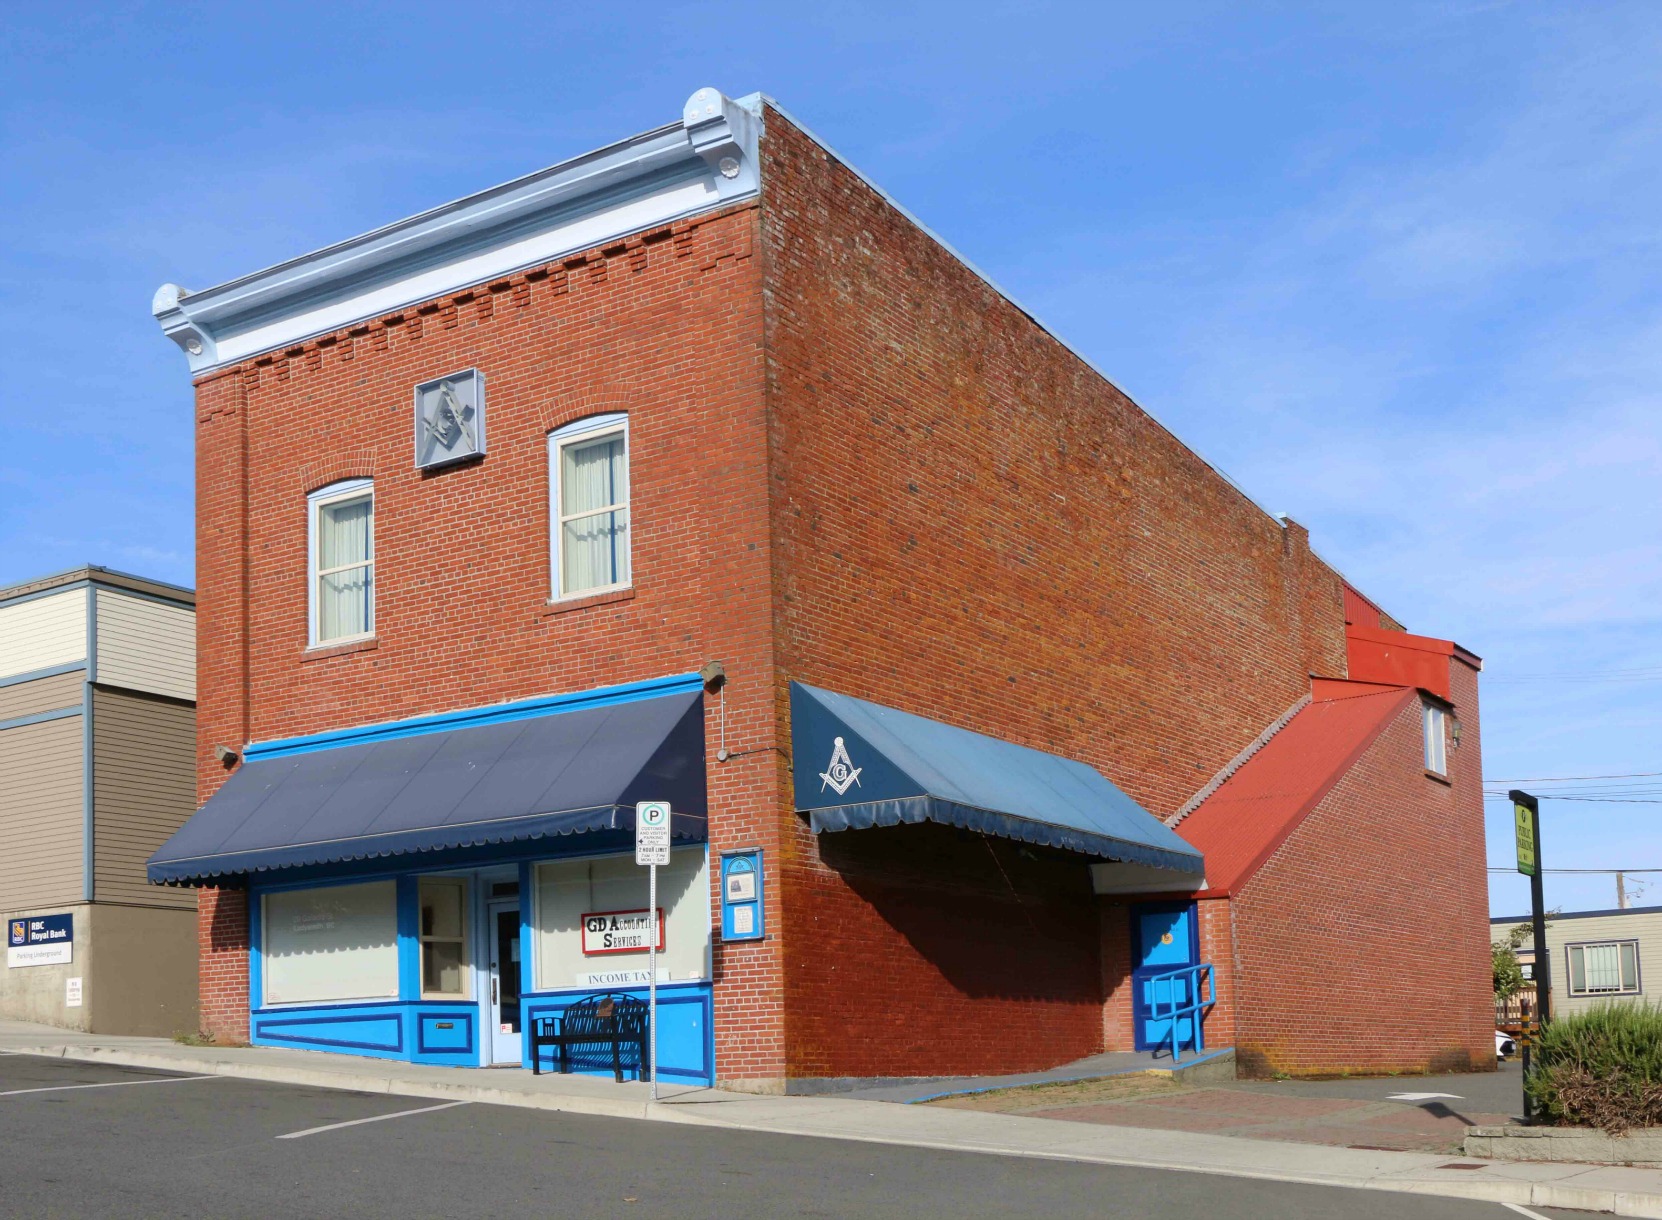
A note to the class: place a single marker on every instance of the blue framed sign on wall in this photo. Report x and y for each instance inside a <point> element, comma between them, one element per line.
<point>741,895</point>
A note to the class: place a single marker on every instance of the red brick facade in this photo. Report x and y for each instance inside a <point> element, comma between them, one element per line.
<point>973,525</point>
<point>1361,945</point>
<point>852,464</point>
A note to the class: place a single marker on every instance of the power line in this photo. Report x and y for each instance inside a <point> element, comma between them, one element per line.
<point>1494,868</point>
<point>1597,800</point>
<point>1561,779</point>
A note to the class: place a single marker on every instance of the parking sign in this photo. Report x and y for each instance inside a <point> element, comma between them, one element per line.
<point>652,832</point>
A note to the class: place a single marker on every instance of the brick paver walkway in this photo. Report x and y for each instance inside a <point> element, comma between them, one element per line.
<point>1423,1126</point>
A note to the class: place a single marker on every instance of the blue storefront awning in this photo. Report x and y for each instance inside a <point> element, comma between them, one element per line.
<point>859,764</point>
<point>529,771</point>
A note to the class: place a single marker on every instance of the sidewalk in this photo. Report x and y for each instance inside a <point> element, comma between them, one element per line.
<point>1626,1192</point>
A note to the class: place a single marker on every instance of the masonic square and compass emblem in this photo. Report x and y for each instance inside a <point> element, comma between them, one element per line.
<point>841,774</point>
<point>450,418</point>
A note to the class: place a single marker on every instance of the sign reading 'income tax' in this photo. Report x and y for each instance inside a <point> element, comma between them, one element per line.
<point>619,932</point>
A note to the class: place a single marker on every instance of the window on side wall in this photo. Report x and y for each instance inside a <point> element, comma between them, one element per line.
<point>342,562</point>
<point>1436,739</point>
<point>589,479</point>
<point>443,936</point>
<point>1610,968</point>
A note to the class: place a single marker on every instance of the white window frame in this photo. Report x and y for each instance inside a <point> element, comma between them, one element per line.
<point>1638,987</point>
<point>1434,735</point>
<point>464,940</point>
<point>584,430</point>
<point>335,493</point>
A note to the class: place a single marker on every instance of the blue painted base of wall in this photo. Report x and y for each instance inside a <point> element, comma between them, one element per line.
<point>686,1041</point>
<point>427,1032</point>
<point>448,1034</point>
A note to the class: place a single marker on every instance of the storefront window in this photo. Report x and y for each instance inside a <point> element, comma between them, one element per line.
<point>443,938</point>
<point>330,944</point>
<point>609,893</point>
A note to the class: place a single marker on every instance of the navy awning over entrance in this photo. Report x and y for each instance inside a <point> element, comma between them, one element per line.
<point>860,764</point>
<point>511,776</point>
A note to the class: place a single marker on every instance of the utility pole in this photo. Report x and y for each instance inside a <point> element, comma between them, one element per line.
<point>1621,893</point>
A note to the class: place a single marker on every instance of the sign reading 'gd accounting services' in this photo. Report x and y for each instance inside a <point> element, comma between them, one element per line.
<point>40,940</point>
<point>619,932</point>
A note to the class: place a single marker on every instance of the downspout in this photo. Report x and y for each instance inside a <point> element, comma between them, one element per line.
<point>88,856</point>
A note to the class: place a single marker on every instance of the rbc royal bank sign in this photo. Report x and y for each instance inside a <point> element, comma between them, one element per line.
<point>40,940</point>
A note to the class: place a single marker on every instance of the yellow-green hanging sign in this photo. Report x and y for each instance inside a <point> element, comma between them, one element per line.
<point>1527,863</point>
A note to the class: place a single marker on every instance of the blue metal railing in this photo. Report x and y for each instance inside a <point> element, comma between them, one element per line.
<point>1182,995</point>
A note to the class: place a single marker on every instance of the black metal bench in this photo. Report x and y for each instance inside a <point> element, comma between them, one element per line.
<point>601,1021</point>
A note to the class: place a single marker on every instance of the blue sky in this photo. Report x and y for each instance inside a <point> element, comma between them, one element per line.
<point>1396,268</point>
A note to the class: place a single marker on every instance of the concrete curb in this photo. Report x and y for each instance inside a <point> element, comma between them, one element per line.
<point>1624,1192</point>
<point>1577,1145</point>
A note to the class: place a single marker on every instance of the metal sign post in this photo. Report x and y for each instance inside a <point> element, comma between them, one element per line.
<point>1526,813</point>
<point>652,849</point>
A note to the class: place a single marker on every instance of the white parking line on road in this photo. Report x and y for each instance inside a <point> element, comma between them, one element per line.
<point>109,1084</point>
<point>379,1118</point>
<point>1524,1211</point>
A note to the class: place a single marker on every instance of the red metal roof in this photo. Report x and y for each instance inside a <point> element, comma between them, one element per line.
<point>1251,814</point>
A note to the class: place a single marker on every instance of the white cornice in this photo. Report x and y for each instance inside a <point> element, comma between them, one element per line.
<point>705,161</point>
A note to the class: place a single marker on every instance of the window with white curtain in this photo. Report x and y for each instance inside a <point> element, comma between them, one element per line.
<point>589,477</point>
<point>329,944</point>
<point>1611,968</point>
<point>1436,739</point>
<point>342,561</point>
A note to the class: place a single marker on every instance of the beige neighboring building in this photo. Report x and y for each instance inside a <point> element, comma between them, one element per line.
<point>1595,955</point>
<point>97,769</point>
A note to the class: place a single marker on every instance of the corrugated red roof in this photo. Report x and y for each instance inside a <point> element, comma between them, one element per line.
<point>1240,825</point>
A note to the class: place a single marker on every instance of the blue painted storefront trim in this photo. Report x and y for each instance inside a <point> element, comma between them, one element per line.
<point>310,1029</point>
<point>686,1033</point>
<point>407,1026</point>
<point>604,696</point>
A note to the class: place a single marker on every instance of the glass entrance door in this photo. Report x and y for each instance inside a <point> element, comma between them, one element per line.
<point>504,1043</point>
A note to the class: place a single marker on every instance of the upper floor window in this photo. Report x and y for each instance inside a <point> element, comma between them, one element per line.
<point>589,476</point>
<point>342,561</point>
<point>1611,968</point>
<point>1436,739</point>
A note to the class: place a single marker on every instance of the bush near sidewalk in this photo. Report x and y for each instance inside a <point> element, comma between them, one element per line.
<point>1600,1068</point>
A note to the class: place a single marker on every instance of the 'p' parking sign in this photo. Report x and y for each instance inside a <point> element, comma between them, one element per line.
<point>652,833</point>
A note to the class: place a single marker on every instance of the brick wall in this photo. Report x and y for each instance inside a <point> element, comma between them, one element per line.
<point>1362,944</point>
<point>222,943</point>
<point>972,525</point>
<point>665,325</point>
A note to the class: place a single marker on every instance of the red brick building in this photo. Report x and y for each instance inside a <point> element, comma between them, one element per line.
<point>653,475</point>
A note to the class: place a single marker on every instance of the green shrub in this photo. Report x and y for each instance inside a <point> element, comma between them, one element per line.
<point>1601,1067</point>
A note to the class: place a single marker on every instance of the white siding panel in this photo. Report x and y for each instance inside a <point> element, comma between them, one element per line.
<point>43,632</point>
<point>146,645</point>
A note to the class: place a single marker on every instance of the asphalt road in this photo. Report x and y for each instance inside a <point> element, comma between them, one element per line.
<point>88,1140</point>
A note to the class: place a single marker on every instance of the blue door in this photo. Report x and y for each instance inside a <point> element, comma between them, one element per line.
<point>1163,938</point>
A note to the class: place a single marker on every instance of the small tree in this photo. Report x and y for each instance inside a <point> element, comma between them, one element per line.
<point>1509,975</point>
